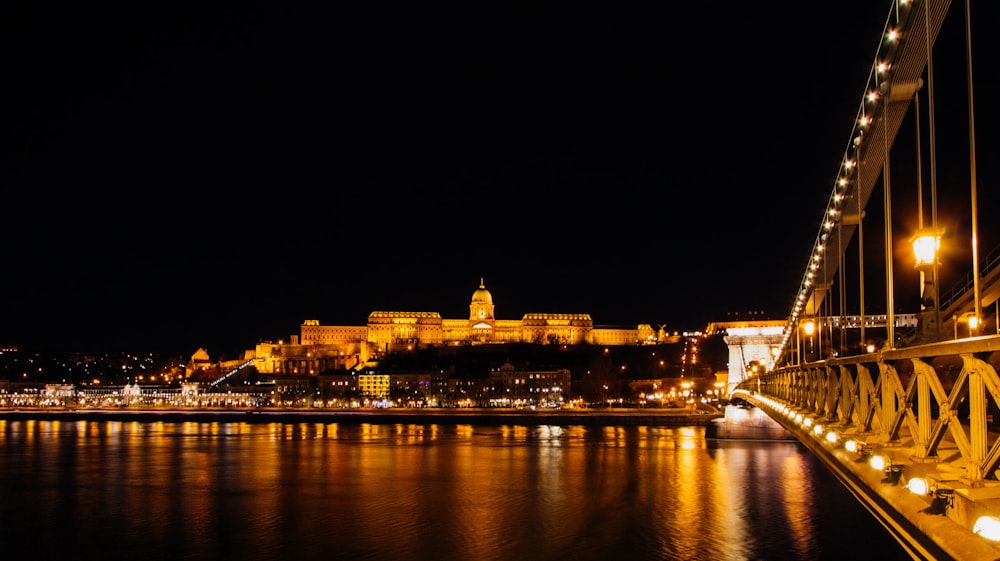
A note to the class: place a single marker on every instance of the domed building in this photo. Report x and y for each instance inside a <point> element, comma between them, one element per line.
<point>482,302</point>
<point>319,347</point>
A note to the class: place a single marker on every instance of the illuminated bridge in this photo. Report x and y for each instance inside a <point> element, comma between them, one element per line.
<point>903,408</point>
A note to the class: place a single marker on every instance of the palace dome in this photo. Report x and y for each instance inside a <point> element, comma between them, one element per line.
<point>481,295</point>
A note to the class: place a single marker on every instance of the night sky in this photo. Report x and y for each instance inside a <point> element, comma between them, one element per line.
<point>181,176</point>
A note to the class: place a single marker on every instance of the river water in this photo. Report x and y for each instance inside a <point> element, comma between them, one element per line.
<point>110,490</point>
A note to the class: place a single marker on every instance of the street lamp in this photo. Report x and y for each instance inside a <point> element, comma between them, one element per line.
<point>971,318</point>
<point>809,327</point>
<point>926,248</point>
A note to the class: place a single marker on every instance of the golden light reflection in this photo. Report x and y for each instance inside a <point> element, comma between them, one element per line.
<point>690,499</point>
<point>795,491</point>
<point>732,500</point>
<point>464,431</point>
<point>514,432</point>
<point>483,483</point>
<point>371,431</point>
<point>689,438</point>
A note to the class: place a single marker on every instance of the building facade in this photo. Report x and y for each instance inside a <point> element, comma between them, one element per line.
<point>320,347</point>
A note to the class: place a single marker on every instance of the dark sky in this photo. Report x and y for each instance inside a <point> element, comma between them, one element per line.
<point>181,176</point>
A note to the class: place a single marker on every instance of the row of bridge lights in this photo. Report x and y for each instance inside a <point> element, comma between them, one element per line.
<point>986,526</point>
<point>833,212</point>
<point>926,242</point>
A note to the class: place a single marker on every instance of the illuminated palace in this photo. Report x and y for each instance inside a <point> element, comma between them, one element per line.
<point>322,347</point>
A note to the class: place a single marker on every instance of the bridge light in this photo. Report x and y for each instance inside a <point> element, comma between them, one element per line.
<point>926,245</point>
<point>987,527</point>
<point>859,447</point>
<point>918,486</point>
<point>877,462</point>
<point>970,318</point>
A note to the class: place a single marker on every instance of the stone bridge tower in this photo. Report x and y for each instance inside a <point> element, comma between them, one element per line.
<point>751,343</point>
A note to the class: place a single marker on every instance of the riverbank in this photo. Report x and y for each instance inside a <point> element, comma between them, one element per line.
<point>598,417</point>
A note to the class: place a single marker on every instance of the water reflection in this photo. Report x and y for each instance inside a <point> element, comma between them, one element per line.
<point>124,490</point>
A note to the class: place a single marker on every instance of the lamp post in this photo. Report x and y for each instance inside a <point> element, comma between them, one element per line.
<point>926,245</point>
<point>972,168</point>
<point>809,327</point>
<point>798,345</point>
<point>970,318</point>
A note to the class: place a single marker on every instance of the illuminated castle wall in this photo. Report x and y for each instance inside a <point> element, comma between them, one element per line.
<point>320,347</point>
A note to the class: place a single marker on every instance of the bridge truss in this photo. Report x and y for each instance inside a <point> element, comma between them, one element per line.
<point>930,412</point>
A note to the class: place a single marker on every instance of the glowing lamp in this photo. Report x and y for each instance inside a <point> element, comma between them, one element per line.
<point>987,527</point>
<point>877,462</point>
<point>918,486</point>
<point>926,246</point>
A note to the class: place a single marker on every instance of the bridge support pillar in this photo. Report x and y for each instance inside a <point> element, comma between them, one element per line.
<point>930,330</point>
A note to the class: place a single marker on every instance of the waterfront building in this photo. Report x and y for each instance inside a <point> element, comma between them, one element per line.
<point>320,348</point>
<point>514,386</point>
<point>375,386</point>
<point>506,386</point>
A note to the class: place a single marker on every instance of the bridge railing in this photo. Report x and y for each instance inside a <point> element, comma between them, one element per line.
<point>939,400</point>
<point>965,284</point>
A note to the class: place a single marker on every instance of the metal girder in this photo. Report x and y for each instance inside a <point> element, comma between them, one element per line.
<point>909,404</point>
